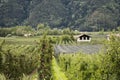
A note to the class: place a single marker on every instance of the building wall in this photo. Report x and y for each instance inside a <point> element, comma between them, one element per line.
<point>83,40</point>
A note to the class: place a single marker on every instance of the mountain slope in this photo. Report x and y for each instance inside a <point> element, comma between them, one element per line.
<point>13,12</point>
<point>90,15</point>
<point>47,11</point>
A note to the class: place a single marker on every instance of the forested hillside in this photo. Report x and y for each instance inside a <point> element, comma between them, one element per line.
<point>90,15</point>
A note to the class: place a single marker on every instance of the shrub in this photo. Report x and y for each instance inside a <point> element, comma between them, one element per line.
<point>14,64</point>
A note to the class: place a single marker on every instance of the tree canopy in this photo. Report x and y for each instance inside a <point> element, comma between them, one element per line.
<point>85,15</point>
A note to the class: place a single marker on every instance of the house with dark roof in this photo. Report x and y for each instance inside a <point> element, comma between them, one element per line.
<point>83,38</point>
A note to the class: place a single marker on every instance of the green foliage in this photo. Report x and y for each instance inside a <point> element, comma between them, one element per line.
<point>103,66</point>
<point>46,50</point>
<point>90,15</point>
<point>66,39</point>
<point>118,28</point>
<point>112,60</point>
<point>55,31</point>
<point>18,60</point>
<point>80,66</point>
<point>21,30</point>
<point>16,31</point>
<point>13,12</point>
<point>26,77</point>
<point>4,32</point>
<point>66,31</point>
<point>40,26</point>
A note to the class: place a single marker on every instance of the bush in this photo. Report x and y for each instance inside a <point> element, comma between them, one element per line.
<point>14,64</point>
<point>66,39</point>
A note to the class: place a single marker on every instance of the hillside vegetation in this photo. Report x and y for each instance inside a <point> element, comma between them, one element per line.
<point>90,15</point>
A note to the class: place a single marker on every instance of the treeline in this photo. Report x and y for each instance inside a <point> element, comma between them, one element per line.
<point>28,30</point>
<point>85,15</point>
<point>16,31</point>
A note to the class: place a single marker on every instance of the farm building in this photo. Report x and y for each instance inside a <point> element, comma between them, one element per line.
<point>84,38</point>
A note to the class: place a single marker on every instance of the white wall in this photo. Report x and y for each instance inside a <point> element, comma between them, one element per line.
<point>83,40</point>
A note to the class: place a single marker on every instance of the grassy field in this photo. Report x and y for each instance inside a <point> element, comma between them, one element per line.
<point>28,49</point>
<point>20,40</point>
<point>97,38</point>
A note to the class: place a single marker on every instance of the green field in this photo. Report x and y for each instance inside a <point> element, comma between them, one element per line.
<point>22,58</point>
<point>97,38</point>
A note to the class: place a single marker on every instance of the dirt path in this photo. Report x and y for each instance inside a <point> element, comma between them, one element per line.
<point>57,73</point>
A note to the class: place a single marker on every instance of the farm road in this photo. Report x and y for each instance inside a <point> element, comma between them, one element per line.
<point>78,48</point>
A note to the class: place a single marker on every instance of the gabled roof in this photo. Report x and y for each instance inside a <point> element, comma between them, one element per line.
<point>84,35</point>
<point>78,36</point>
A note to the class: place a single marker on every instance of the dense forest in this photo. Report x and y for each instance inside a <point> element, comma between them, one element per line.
<point>84,15</point>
